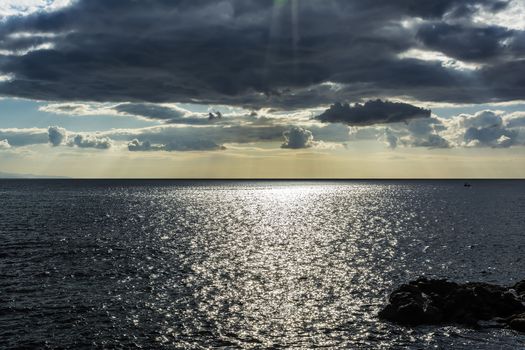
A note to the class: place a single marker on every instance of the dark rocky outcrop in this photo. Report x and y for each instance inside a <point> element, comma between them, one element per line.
<point>427,301</point>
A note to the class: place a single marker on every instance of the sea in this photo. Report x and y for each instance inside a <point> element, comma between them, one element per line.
<point>115,264</point>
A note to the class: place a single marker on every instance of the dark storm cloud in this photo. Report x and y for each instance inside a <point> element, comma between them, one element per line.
<point>250,52</point>
<point>372,112</point>
<point>468,43</point>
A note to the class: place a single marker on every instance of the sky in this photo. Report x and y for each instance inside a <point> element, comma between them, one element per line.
<point>262,88</point>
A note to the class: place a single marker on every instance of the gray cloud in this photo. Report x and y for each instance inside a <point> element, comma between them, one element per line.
<point>516,120</point>
<point>90,141</point>
<point>151,111</point>
<point>4,144</point>
<point>482,129</point>
<point>297,137</point>
<point>250,53</point>
<point>372,112</point>
<point>485,129</point>
<point>139,146</point>
<point>465,42</point>
<point>492,136</point>
<point>180,145</point>
<point>430,141</point>
<point>56,135</point>
<point>391,139</point>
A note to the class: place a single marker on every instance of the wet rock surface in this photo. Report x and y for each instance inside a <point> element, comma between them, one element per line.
<point>432,301</point>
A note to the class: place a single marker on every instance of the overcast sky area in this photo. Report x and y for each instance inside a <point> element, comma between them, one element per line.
<point>262,88</point>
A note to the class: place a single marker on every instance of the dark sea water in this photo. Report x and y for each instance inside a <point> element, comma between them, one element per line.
<point>198,265</point>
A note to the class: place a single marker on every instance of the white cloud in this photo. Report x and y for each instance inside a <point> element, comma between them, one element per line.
<point>512,17</point>
<point>448,62</point>
<point>4,144</point>
<point>90,141</point>
<point>43,46</point>
<point>26,7</point>
<point>80,109</point>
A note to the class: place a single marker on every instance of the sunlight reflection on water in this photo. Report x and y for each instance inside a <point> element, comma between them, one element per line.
<point>252,265</point>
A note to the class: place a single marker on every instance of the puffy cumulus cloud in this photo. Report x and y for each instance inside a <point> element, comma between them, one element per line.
<point>139,146</point>
<point>56,135</point>
<point>372,112</point>
<point>298,137</point>
<point>484,129</point>
<point>491,136</point>
<point>253,53</point>
<point>90,141</point>
<point>4,144</point>
<point>480,120</point>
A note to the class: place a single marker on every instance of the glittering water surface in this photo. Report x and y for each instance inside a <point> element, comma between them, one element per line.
<point>246,264</point>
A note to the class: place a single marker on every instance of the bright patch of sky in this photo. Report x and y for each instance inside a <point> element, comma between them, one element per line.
<point>446,61</point>
<point>25,7</point>
<point>512,17</point>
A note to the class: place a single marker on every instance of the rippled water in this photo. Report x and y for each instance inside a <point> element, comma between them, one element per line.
<point>199,265</point>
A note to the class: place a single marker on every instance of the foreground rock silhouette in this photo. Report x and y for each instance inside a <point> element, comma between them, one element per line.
<point>427,301</point>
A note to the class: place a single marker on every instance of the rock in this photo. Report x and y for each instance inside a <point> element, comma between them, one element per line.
<point>517,322</point>
<point>427,301</point>
<point>520,288</point>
